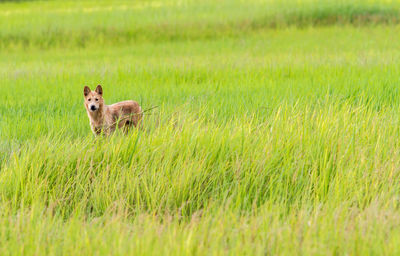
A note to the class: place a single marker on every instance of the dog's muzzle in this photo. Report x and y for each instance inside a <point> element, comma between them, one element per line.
<point>92,108</point>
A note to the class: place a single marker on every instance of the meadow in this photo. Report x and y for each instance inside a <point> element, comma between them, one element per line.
<point>275,129</point>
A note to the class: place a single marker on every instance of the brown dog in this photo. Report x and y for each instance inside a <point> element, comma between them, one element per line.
<point>105,118</point>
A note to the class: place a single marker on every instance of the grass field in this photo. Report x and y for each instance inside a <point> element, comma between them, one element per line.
<point>276,130</point>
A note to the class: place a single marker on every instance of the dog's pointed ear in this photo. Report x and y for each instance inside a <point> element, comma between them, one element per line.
<point>86,91</point>
<point>99,90</point>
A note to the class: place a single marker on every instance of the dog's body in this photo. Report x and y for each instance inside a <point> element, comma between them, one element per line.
<point>105,118</point>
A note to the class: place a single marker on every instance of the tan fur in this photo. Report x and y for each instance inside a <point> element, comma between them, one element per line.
<point>105,118</point>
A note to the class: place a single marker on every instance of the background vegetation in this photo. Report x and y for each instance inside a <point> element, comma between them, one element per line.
<point>276,132</point>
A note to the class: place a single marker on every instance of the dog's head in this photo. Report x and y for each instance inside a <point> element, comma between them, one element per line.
<point>93,99</point>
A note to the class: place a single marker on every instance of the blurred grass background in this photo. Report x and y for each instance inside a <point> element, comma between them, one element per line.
<point>46,24</point>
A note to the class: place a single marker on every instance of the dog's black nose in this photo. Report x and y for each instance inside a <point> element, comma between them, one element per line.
<point>92,108</point>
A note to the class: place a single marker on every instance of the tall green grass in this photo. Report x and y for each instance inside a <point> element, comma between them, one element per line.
<point>277,141</point>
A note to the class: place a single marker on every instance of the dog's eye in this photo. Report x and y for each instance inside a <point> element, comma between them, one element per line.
<point>97,99</point>
<point>89,99</point>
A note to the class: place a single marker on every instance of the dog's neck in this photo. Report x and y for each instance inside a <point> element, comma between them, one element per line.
<point>97,117</point>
